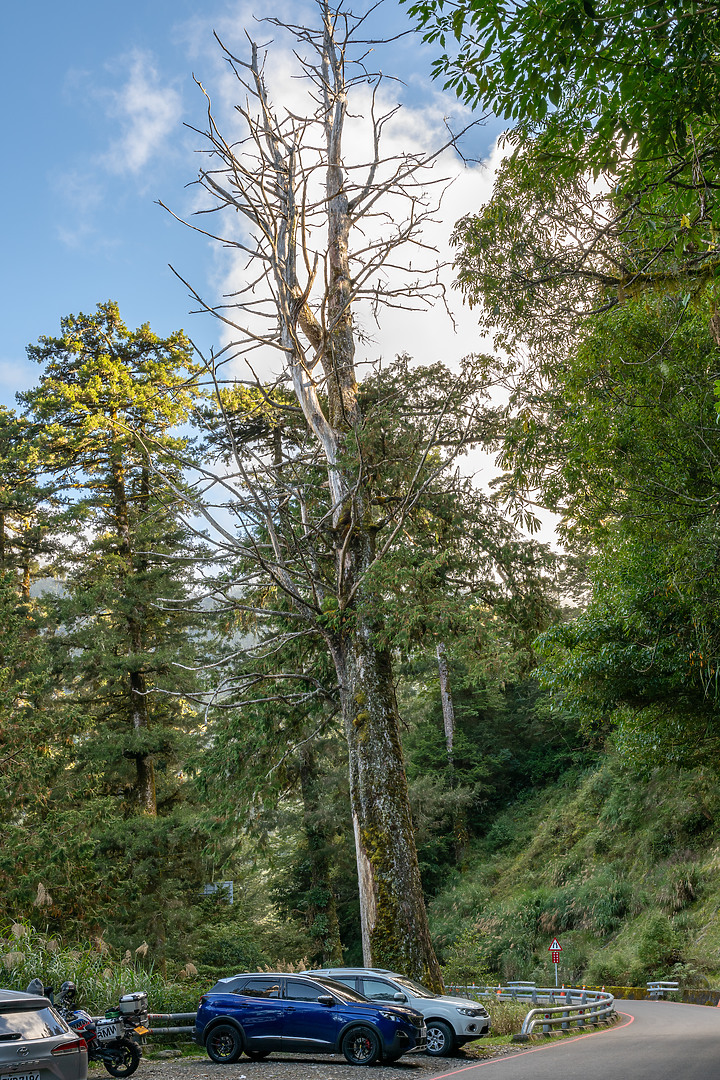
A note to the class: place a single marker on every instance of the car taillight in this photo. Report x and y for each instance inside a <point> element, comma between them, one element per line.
<point>73,1047</point>
<point>202,1001</point>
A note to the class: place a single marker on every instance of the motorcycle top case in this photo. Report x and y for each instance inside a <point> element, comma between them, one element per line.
<point>134,1004</point>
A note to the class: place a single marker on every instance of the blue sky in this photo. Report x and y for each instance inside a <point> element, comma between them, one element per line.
<point>95,99</point>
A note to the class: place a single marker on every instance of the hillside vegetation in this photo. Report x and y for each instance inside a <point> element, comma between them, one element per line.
<point>624,870</point>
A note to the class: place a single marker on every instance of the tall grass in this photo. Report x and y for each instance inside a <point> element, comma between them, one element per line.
<point>506,1017</point>
<point>100,978</point>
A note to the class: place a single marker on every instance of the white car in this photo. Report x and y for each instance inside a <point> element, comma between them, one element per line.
<point>450,1021</point>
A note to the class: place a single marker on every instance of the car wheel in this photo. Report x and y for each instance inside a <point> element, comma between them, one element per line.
<point>123,1057</point>
<point>361,1046</point>
<point>440,1039</point>
<point>257,1055</point>
<point>224,1044</point>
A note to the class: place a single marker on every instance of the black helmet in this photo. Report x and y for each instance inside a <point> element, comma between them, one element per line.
<point>67,990</point>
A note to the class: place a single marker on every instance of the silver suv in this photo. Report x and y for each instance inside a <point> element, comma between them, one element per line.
<point>36,1043</point>
<point>451,1021</point>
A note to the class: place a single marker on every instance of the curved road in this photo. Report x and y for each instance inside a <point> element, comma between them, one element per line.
<point>653,1040</point>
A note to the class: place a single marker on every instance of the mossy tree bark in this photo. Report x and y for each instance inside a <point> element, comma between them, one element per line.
<point>394,925</point>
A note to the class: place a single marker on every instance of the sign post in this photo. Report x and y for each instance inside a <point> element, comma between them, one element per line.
<point>555,948</point>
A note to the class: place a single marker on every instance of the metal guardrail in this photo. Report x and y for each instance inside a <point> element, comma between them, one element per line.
<point>580,1007</point>
<point>657,989</point>
<point>174,1019</point>
<point>565,1007</point>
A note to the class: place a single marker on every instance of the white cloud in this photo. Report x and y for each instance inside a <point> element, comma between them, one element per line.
<point>143,116</point>
<point>147,112</point>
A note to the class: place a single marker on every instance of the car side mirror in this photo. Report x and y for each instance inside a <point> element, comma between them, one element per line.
<point>400,997</point>
<point>326,999</point>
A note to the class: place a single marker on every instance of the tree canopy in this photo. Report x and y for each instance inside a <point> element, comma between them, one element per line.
<point>610,71</point>
<point>610,184</point>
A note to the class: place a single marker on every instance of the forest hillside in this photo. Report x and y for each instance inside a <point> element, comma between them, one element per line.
<point>622,869</point>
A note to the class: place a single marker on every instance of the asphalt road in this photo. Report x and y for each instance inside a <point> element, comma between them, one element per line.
<point>654,1040</point>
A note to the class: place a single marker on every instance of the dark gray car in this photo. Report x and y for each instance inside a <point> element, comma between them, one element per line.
<point>36,1043</point>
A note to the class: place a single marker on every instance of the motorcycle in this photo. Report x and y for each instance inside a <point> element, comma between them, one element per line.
<point>110,1039</point>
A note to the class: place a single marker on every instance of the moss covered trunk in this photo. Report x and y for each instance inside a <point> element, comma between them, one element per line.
<point>395,932</point>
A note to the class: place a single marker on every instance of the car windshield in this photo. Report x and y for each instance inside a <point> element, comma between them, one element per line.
<point>417,989</point>
<point>341,990</point>
<point>30,1024</point>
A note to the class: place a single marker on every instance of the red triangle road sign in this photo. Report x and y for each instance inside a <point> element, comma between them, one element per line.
<point>554,946</point>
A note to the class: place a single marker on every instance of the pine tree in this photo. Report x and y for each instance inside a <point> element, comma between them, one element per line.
<point>125,557</point>
<point>122,628</point>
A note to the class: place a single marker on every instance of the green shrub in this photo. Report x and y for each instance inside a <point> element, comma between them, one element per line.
<point>606,968</point>
<point>500,834</point>
<point>679,888</point>
<point>609,905</point>
<point>657,949</point>
<point>226,952</point>
<point>466,961</point>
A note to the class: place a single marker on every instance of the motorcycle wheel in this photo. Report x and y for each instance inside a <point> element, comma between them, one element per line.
<point>122,1057</point>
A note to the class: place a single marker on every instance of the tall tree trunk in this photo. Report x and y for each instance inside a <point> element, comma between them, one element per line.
<point>317,335</point>
<point>447,702</point>
<point>460,828</point>
<point>394,925</point>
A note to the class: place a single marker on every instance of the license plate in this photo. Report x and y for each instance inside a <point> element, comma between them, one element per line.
<point>21,1076</point>
<point>140,1030</point>
<point>109,1031</point>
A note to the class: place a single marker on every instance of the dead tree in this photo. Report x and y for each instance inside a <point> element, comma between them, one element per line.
<point>323,234</point>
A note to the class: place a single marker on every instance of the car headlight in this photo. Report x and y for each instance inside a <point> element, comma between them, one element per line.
<point>471,1012</point>
<point>392,1016</point>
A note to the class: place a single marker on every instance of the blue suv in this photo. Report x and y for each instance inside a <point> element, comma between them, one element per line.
<point>257,1014</point>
